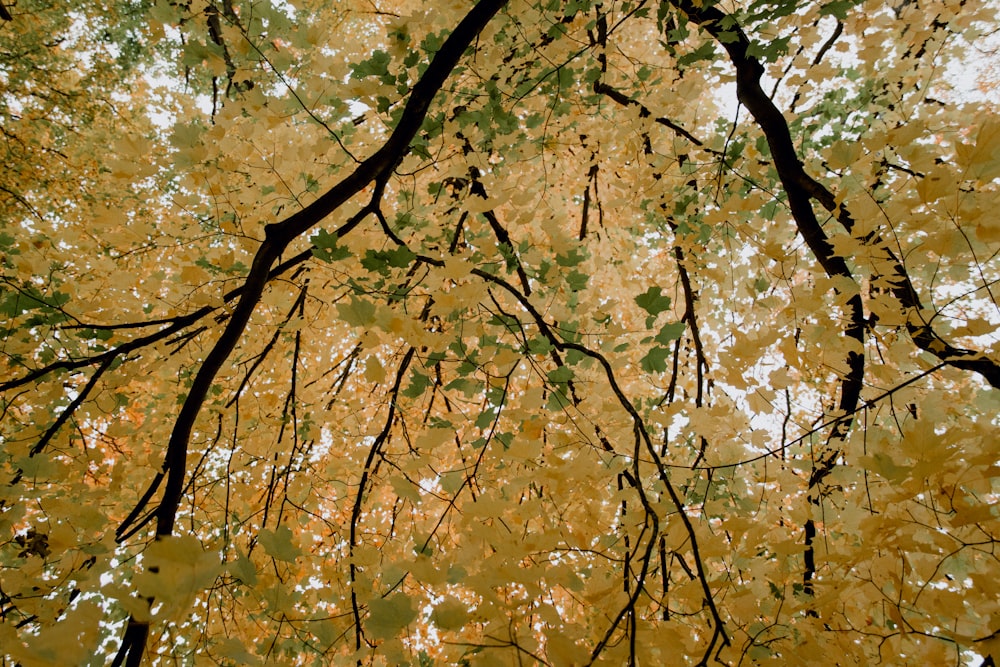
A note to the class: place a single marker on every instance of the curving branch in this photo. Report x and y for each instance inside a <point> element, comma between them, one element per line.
<point>503,236</point>
<point>279,235</point>
<point>171,326</point>
<point>800,189</point>
<point>68,412</point>
<point>643,441</point>
<point>369,470</point>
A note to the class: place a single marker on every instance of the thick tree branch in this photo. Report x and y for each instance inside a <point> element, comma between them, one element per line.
<point>800,189</point>
<point>280,235</point>
<point>799,186</point>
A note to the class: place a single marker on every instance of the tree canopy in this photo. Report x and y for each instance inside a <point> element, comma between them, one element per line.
<point>383,332</point>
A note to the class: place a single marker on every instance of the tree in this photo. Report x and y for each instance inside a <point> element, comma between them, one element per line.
<point>507,333</point>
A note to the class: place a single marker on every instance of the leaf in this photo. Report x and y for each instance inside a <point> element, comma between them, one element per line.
<point>486,418</point>
<point>770,50</point>
<point>176,569</point>
<point>706,51</point>
<point>539,345</point>
<point>837,8</point>
<point>573,257</point>
<point>376,65</point>
<point>243,569</point>
<point>983,158</point>
<point>380,261</point>
<point>843,154</point>
<point>577,281</point>
<point>387,616</point>
<point>326,248</point>
<point>418,384</point>
<point>557,401</point>
<point>450,614</point>
<point>560,375</point>
<point>655,361</point>
<point>653,301</point>
<point>279,543</point>
<point>669,333</point>
<point>356,312</point>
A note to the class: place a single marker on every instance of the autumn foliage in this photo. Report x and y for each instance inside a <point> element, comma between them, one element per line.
<point>374,332</point>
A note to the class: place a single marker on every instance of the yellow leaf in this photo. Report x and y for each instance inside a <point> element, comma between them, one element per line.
<point>982,159</point>
<point>279,543</point>
<point>387,616</point>
<point>450,614</point>
<point>843,154</point>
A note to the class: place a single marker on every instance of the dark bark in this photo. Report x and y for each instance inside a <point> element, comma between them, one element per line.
<point>279,235</point>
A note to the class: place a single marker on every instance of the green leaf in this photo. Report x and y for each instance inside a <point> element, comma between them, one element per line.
<point>418,383</point>
<point>486,418</point>
<point>434,358</point>
<point>377,65</point>
<point>653,301</point>
<point>326,247</point>
<point>560,375</point>
<point>704,52</point>
<point>464,385</point>
<point>655,360</point>
<point>539,345</point>
<point>577,281</point>
<point>432,42</point>
<point>378,261</point>
<point>572,258</point>
<point>450,614</point>
<point>837,8</point>
<point>557,401</point>
<point>669,332</point>
<point>95,334</point>
<point>243,569</point>
<point>769,51</point>
<point>30,298</point>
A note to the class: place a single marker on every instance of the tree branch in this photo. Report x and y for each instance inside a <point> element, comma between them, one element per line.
<point>279,235</point>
